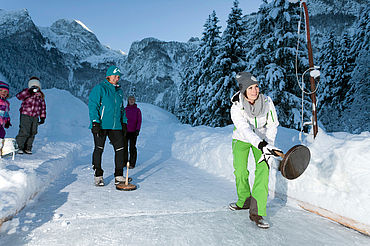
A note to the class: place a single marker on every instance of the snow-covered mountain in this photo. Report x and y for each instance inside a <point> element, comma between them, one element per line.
<point>47,54</point>
<point>69,56</point>
<point>23,53</point>
<point>86,58</point>
<point>335,16</point>
<point>325,7</point>
<point>12,22</point>
<point>154,70</point>
<point>73,37</point>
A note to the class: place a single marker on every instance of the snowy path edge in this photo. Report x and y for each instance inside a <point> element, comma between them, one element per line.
<point>347,222</point>
<point>56,167</point>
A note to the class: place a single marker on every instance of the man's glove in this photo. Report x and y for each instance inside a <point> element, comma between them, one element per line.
<point>268,151</point>
<point>124,129</point>
<point>137,132</point>
<point>7,124</point>
<point>96,128</point>
<point>42,120</point>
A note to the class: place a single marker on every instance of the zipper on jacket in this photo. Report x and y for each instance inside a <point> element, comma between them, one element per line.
<point>115,103</point>
<point>255,121</point>
<point>102,113</point>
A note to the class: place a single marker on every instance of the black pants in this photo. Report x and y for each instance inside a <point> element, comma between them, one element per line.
<point>119,143</point>
<point>27,131</point>
<point>131,138</point>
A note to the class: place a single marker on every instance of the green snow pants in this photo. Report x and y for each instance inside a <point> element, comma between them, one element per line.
<point>258,197</point>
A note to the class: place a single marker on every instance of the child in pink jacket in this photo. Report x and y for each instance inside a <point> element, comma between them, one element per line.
<point>33,107</point>
<point>4,111</point>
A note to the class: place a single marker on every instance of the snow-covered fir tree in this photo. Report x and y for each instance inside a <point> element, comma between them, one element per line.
<point>187,93</point>
<point>229,62</point>
<point>337,67</point>
<point>272,58</point>
<point>328,60</point>
<point>356,114</point>
<point>270,48</point>
<point>345,66</point>
<point>208,52</point>
<point>193,90</point>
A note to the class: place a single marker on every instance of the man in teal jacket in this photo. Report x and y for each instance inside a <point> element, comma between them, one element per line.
<point>108,118</point>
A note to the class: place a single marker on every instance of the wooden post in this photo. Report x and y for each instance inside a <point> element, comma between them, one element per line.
<point>312,80</point>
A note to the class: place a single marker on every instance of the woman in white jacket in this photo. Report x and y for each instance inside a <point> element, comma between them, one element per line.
<point>255,127</point>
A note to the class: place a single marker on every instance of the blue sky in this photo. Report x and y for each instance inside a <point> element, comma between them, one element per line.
<point>118,23</point>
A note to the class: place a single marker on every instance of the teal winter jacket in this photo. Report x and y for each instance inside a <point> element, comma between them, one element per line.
<point>106,106</point>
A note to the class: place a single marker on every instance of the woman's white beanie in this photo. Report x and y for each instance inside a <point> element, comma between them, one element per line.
<point>34,82</point>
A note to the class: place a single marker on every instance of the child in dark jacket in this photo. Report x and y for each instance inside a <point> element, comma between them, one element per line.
<point>4,111</point>
<point>33,107</point>
<point>133,115</point>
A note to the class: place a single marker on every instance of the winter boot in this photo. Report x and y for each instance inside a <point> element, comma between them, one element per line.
<point>20,152</point>
<point>121,179</point>
<point>1,147</point>
<point>260,222</point>
<point>28,151</point>
<point>233,206</point>
<point>99,181</point>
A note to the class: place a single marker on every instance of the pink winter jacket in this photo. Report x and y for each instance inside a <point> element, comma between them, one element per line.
<point>32,105</point>
<point>4,111</point>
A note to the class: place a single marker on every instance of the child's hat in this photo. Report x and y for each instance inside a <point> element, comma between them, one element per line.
<point>4,85</point>
<point>34,81</point>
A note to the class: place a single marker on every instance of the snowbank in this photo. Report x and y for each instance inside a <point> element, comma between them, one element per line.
<point>56,146</point>
<point>337,178</point>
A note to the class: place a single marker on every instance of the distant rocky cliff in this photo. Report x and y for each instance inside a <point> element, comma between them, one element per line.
<point>69,56</point>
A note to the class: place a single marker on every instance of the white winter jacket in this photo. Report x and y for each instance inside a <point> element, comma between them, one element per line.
<point>253,130</point>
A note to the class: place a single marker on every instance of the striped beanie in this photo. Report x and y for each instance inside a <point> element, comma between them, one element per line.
<point>4,85</point>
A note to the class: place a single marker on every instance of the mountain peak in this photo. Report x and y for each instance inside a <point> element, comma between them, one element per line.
<point>73,37</point>
<point>83,25</point>
<point>12,21</point>
<point>63,26</point>
<point>13,13</point>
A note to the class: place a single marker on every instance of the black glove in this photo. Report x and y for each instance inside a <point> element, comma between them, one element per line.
<point>7,124</point>
<point>96,128</point>
<point>268,151</point>
<point>33,90</point>
<point>124,129</point>
<point>262,144</point>
<point>137,132</point>
<point>42,120</point>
